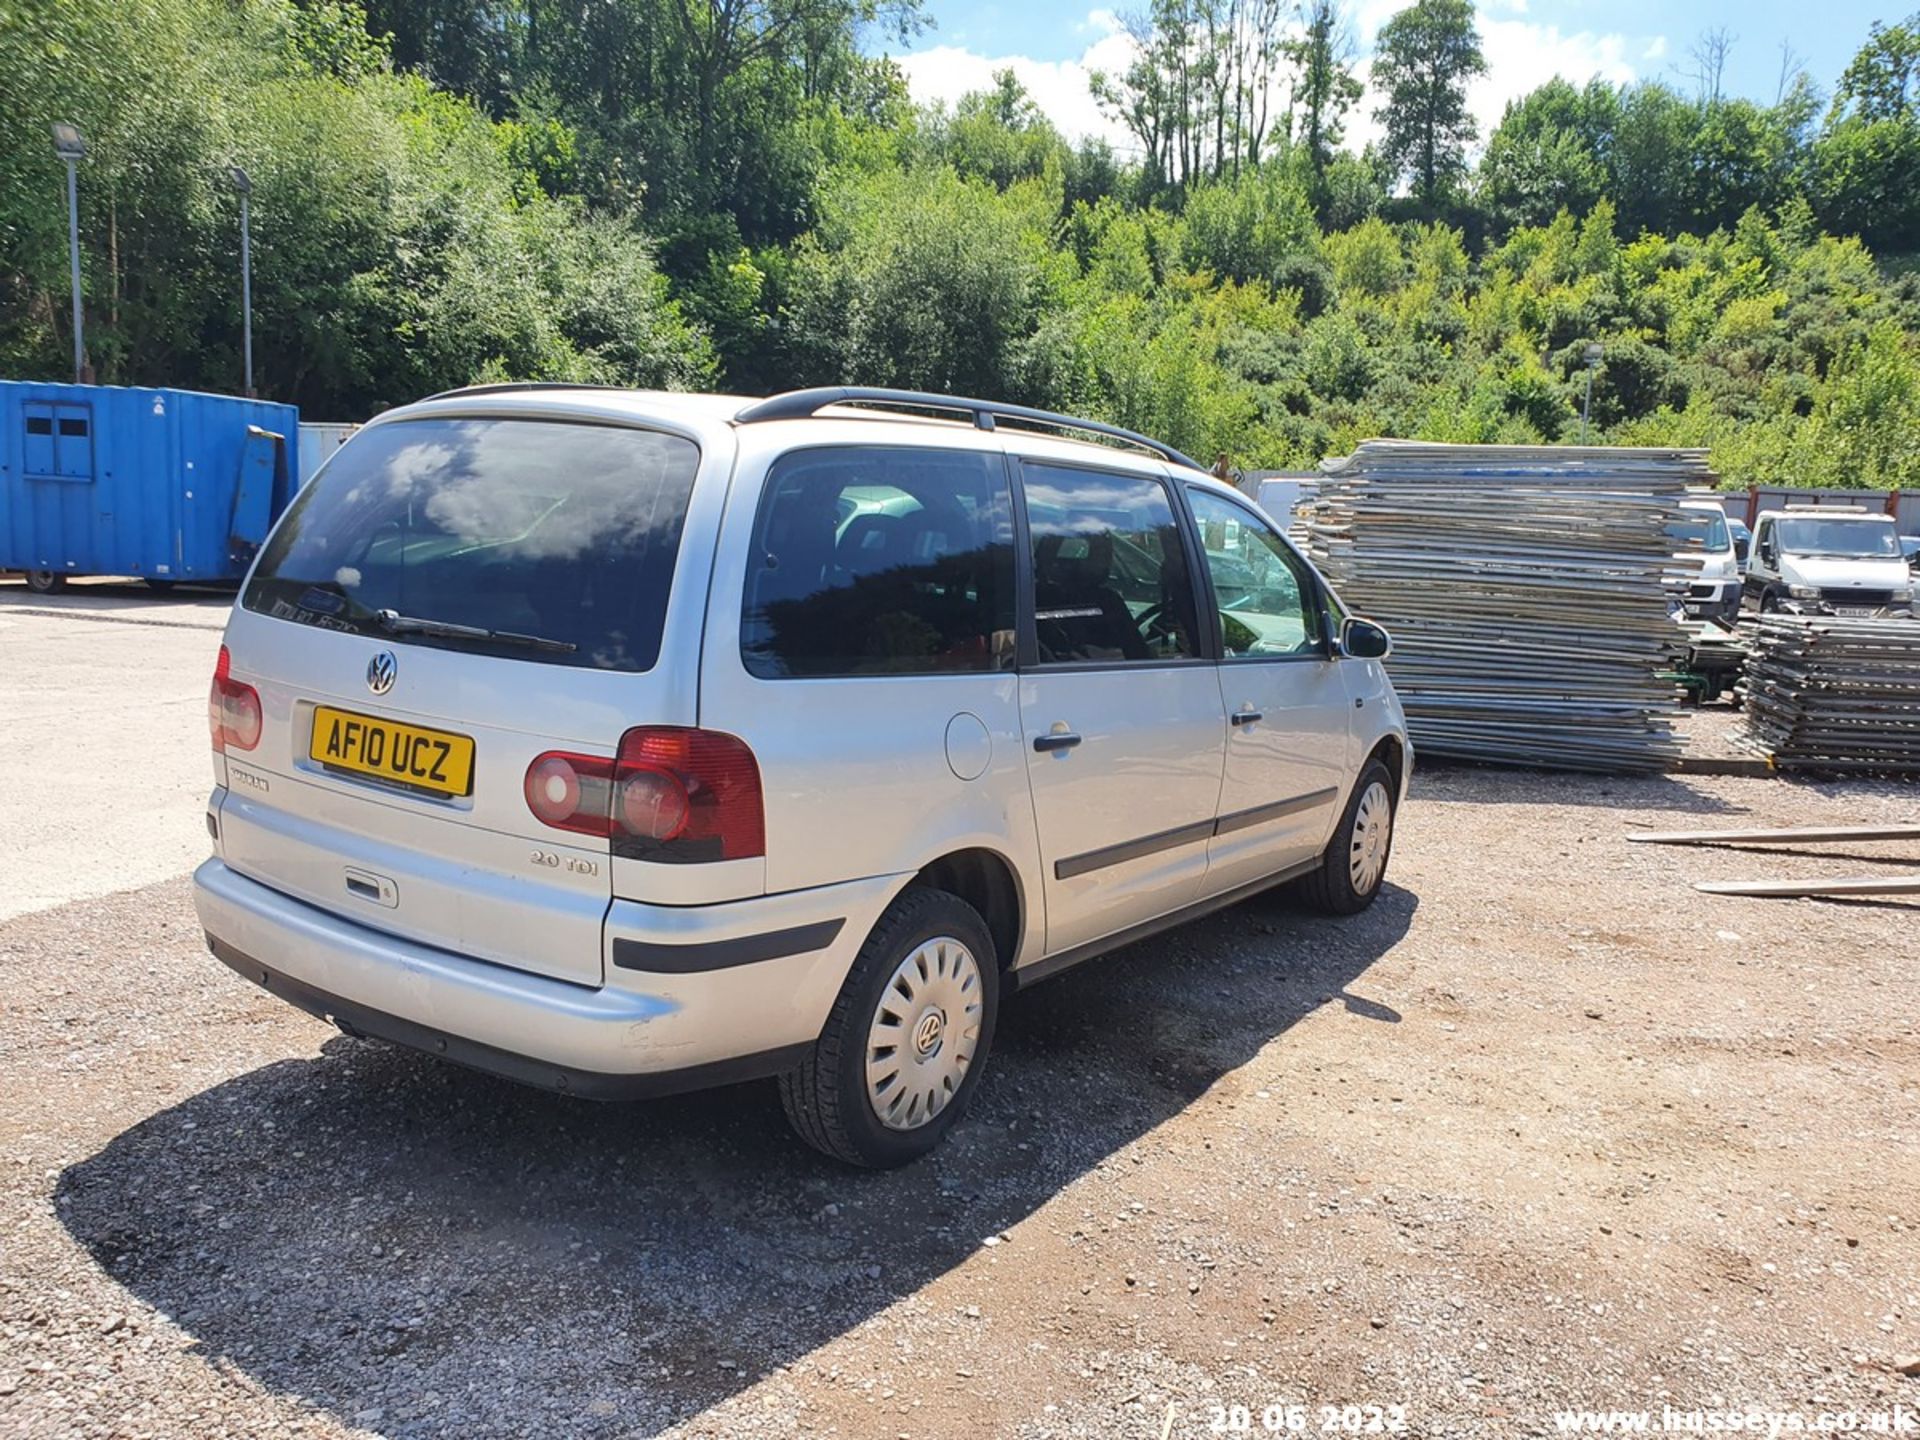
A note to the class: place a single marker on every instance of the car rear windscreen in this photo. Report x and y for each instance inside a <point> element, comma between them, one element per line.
<point>556,538</point>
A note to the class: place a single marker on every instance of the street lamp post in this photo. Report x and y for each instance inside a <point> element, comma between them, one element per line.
<point>245,187</point>
<point>71,146</point>
<point>1592,355</point>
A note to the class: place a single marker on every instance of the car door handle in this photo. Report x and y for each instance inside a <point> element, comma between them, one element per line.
<point>1246,717</point>
<point>1057,740</point>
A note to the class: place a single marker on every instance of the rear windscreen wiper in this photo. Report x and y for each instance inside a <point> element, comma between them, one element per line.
<point>394,623</point>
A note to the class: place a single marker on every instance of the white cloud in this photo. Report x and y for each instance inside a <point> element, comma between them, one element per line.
<point>1522,54</point>
<point>1059,87</point>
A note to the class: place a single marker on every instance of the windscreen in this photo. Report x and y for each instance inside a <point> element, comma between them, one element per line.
<point>1708,529</point>
<point>1858,537</point>
<point>554,541</point>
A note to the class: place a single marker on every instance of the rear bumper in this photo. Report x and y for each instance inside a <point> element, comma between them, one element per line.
<point>651,1031</point>
<point>546,1074</point>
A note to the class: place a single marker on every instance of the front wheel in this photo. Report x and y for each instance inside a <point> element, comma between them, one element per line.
<point>45,582</point>
<point>1354,864</point>
<point>906,1041</point>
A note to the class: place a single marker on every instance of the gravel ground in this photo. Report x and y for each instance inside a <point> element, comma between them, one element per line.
<point>1544,1128</point>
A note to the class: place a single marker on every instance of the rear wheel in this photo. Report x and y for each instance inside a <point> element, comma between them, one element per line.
<point>906,1041</point>
<point>45,582</point>
<point>1354,865</point>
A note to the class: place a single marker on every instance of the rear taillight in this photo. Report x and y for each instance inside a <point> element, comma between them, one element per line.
<point>569,792</point>
<point>233,709</point>
<point>689,795</point>
<point>670,794</point>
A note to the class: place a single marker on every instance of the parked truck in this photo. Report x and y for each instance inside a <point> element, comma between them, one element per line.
<point>1827,560</point>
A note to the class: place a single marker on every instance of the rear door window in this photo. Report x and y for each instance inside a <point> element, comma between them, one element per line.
<point>885,560</point>
<point>555,541</point>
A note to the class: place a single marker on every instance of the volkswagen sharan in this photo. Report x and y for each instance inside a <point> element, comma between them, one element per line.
<point>624,742</point>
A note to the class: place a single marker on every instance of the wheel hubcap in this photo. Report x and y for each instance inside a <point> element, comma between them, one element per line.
<point>1372,833</point>
<point>924,1032</point>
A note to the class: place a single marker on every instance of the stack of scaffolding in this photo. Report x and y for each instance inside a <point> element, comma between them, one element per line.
<point>1840,695</point>
<point>1527,588</point>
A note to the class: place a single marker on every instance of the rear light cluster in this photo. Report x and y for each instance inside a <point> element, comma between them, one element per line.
<point>671,794</point>
<point>233,709</point>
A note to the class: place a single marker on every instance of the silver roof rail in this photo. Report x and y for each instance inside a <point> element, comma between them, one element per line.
<point>803,404</point>
<point>507,387</point>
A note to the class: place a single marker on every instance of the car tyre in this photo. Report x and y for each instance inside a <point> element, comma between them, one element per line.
<point>936,946</point>
<point>46,582</point>
<point>1354,865</point>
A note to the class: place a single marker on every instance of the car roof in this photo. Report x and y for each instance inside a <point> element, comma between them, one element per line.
<point>703,415</point>
<point>1825,512</point>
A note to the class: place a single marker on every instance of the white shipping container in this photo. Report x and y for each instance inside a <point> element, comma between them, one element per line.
<point>318,441</point>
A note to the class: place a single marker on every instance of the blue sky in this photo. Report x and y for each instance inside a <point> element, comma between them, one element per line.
<point>1053,44</point>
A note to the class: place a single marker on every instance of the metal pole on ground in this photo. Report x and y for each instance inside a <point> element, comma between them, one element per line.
<point>245,187</point>
<point>71,146</point>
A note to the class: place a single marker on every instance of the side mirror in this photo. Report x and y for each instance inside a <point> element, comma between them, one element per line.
<point>1364,640</point>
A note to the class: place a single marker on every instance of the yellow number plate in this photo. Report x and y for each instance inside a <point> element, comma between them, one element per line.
<point>431,760</point>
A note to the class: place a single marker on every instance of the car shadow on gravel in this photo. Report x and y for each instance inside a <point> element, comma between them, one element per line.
<point>423,1251</point>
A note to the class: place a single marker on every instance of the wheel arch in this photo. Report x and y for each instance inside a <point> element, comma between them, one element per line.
<point>990,883</point>
<point>1391,751</point>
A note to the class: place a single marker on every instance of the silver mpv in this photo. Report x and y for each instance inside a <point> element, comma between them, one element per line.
<point>625,742</point>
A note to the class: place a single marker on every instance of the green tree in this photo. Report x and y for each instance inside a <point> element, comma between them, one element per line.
<point>466,46</point>
<point>1864,160</point>
<point>1864,431</point>
<point>1255,228</point>
<point>1424,57</point>
<point>401,244</point>
<point>1883,80</point>
<point>1367,260</point>
<point>1325,87</point>
<point>1000,135</point>
<point>1545,155</point>
<point>1652,159</point>
<point>919,279</point>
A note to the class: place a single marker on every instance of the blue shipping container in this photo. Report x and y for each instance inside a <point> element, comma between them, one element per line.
<point>169,485</point>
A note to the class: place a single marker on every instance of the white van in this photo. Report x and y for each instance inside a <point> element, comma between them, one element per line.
<point>1827,560</point>
<point>1714,592</point>
<point>623,742</point>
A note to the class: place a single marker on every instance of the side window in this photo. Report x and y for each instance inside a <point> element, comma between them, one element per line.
<point>1263,591</point>
<point>73,445</point>
<point>1110,579</point>
<point>880,561</point>
<point>38,418</point>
